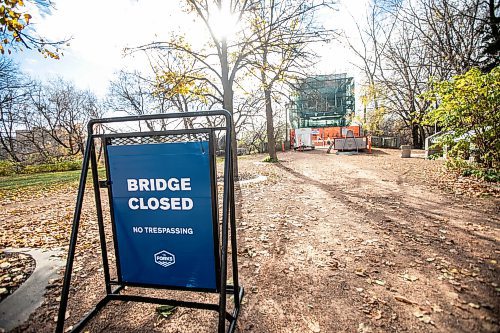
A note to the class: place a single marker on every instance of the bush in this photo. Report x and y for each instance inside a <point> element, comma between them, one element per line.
<point>467,169</point>
<point>268,159</point>
<point>488,175</point>
<point>67,165</point>
<point>460,150</point>
<point>457,164</point>
<point>8,168</point>
<point>466,108</point>
<point>434,156</point>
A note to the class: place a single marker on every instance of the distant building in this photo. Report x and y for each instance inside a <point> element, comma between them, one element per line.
<point>34,145</point>
<point>323,101</point>
<point>39,143</point>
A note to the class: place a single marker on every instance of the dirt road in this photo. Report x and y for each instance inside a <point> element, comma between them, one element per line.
<point>366,243</point>
<point>335,243</point>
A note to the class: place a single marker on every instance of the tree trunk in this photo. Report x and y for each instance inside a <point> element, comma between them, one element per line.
<point>416,136</point>
<point>422,136</point>
<point>364,115</point>
<point>228,102</point>
<point>271,142</point>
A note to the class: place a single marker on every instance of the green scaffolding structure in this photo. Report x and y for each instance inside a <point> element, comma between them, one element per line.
<point>323,101</point>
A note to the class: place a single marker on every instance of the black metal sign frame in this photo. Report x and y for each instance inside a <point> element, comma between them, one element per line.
<point>114,287</point>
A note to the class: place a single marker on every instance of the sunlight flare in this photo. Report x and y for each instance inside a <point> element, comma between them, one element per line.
<point>223,22</point>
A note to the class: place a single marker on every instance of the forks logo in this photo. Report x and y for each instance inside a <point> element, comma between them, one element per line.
<point>164,258</point>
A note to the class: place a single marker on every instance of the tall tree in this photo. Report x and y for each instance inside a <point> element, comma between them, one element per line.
<point>374,37</point>
<point>223,56</point>
<point>284,30</point>
<point>405,78</point>
<point>491,37</point>
<point>55,117</point>
<point>409,42</point>
<point>134,93</point>
<point>449,30</point>
<point>182,83</point>
<point>14,87</point>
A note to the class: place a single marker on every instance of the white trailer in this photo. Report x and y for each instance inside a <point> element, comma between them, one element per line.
<point>303,138</point>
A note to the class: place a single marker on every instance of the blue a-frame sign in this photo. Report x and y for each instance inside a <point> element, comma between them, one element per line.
<point>163,214</point>
<point>167,228</point>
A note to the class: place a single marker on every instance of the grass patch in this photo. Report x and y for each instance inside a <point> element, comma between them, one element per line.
<point>38,180</point>
<point>19,187</point>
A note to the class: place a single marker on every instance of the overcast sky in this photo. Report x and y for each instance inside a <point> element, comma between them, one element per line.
<point>101,29</point>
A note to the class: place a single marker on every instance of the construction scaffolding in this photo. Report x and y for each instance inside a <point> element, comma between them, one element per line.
<point>323,101</point>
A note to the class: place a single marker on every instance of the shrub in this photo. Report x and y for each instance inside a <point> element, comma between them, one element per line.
<point>66,165</point>
<point>457,164</point>
<point>8,168</point>
<point>488,175</point>
<point>434,156</point>
<point>466,107</point>
<point>467,169</point>
<point>268,159</point>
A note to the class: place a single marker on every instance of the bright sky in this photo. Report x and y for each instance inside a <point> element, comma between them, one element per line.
<point>101,29</point>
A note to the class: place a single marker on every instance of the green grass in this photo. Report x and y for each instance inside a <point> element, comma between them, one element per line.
<point>22,187</point>
<point>43,180</point>
<point>38,179</point>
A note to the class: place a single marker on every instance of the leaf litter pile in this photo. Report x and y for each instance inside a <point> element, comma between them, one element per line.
<point>328,243</point>
<point>15,268</point>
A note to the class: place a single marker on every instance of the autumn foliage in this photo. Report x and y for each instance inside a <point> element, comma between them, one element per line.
<point>16,32</point>
<point>467,108</point>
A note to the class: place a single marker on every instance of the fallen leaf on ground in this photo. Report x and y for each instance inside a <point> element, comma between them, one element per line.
<point>437,308</point>
<point>404,299</point>
<point>461,307</point>
<point>418,314</point>
<point>377,314</point>
<point>166,310</point>
<point>409,277</point>
<point>474,306</point>
<point>360,272</point>
<point>313,325</point>
<point>363,328</point>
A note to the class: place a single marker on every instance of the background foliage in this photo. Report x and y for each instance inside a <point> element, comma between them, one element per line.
<point>467,108</point>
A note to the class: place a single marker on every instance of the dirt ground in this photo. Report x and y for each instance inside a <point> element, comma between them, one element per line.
<point>328,243</point>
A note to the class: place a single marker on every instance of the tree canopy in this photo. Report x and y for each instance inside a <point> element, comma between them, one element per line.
<point>404,44</point>
<point>16,30</point>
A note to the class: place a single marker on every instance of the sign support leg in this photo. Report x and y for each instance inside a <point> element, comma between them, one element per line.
<point>100,220</point>
<point>74,236</point>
